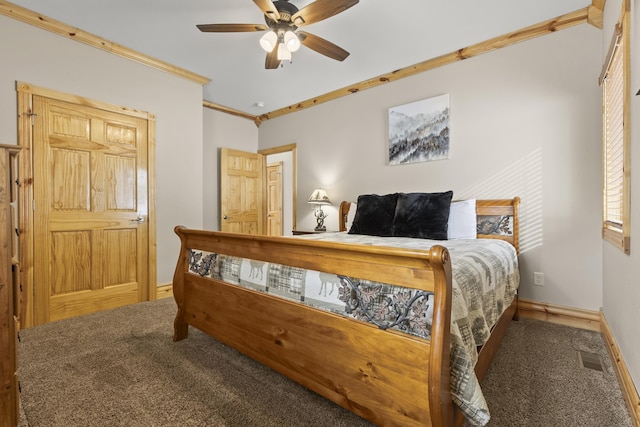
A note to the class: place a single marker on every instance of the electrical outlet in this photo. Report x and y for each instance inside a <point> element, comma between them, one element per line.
<point>538,279</point>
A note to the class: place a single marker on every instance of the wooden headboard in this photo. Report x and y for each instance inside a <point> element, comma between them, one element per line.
<point>497,219</point>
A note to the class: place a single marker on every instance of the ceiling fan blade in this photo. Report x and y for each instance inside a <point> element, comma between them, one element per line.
<point>230,28</point>
<point>319,10</point>
<point>322,46</point>
<point>268,8</point>
<point>272,62</point>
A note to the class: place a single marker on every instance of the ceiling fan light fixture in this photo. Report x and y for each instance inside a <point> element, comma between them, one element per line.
<point>269,41</point>
<point>282,20</point>
<point>291,41</point>
<point>283,53</point>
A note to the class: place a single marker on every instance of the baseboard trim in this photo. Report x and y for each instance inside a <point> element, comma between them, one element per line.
<point>593,321</point>
<point>568,316</point>
<point>631,396</point>
<point>164,291</point>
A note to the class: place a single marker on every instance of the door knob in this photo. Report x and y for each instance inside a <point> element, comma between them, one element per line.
<point>139,220</point>
<point>225,217</point>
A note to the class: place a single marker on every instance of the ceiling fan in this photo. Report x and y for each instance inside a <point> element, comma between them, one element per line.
<point>282,22</point>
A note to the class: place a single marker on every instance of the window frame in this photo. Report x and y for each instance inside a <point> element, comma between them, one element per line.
<point>618,232</point>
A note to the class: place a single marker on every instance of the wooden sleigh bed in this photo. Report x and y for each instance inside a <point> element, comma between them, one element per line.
<point>383,375</point>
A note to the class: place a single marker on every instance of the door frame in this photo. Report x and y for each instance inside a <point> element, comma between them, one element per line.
<point>25,92</point>
<point>294,160</point>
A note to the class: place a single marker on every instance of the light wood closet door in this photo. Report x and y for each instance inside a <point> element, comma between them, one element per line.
<point>90,209</point>
<point>241,189</point>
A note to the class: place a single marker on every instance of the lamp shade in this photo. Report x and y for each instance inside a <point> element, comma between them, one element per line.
<point>319,197</point>
<point>291,41</point>
<point>283,53</point>
<point>269,41</point>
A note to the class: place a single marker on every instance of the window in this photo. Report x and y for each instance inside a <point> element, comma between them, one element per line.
<point>615,130</point>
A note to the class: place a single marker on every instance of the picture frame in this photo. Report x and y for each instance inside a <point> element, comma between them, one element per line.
<point>419,131</point>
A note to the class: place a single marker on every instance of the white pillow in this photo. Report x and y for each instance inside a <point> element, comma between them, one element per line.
<point>462,220</point>
<point>351,215</point>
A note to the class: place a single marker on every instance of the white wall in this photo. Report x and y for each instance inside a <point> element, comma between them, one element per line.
<point>525,121</point>
<point>621,272</point>
<point>43,59</point>
<point>221,130</point>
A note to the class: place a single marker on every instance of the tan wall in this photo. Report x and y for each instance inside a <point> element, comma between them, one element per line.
<point>221,130</point>
<point>43,59</point>
<point>621,272</point>
<point>525,120</point>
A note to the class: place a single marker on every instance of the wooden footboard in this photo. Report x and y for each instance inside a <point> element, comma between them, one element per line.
<point>385,376</point>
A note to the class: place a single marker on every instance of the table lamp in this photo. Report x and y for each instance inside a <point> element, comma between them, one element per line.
<point>319,197</point>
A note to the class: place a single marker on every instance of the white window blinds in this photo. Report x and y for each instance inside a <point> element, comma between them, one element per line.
<point>613,122</point>
<point>615,80</point>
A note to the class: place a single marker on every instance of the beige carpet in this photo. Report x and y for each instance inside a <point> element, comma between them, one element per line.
<point>121,368</point>
<point>536,379</point>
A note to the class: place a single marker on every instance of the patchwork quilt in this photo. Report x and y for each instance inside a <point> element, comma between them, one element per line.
<point>485,278</point>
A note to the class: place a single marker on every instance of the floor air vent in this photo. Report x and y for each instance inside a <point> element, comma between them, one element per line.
<point>590,360</point>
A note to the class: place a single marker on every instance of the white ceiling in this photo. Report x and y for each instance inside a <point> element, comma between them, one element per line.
<point>381,36</point>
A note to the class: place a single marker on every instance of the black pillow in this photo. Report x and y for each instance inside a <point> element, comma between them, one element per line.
<point>422,215</point>
<point>375,215</point>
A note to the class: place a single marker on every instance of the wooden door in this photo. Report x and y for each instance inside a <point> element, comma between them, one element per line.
<point>274,199</point>
<point>90,209</point>
<point>241,188</point>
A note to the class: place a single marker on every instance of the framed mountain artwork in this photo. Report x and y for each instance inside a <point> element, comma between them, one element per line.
<point>419,131</point>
